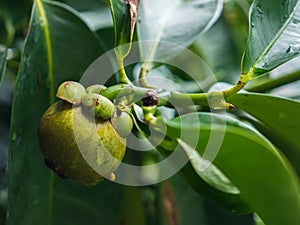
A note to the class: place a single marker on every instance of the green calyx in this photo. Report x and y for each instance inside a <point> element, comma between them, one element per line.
<point>98,106</point>
<point>71,92</point>
<point>90,99</point>
<point>96,88</point>
<point>122,122</point>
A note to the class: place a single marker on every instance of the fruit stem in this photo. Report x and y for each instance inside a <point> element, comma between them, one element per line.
<point>122,73</point>
<point>212,99</point>
<point>244,79</point>
<point>142,78</point>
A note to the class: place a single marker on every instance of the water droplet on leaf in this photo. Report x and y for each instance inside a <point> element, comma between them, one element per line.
<point>296,21</point>
<point>259,10</point>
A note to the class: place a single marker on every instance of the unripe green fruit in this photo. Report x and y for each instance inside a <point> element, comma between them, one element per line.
<point>123,123</point>
<point>96,88</point>
<point>76,146</point>
<point>71,92</point>
<point>98,106</point>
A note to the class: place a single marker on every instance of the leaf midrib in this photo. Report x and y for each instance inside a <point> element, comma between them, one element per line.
<point>278,34</point>
<point>151,54</point>
<point>45,28</point>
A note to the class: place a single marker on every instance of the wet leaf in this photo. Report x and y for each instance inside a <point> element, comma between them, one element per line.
<point>267,49</point>
<point>59,47</point>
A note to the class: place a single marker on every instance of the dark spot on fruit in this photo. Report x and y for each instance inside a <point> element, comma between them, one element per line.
<point>150,98</point>
<point>53,167</point>
<point>119,113</point>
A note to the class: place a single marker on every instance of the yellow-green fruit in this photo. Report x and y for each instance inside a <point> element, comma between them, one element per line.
<point>78,147</point>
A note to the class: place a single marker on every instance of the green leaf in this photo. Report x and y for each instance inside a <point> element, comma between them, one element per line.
<point>87,5</point>
<point>211,175</point>
<point>59,47</point>
<point>175,22</point>
<point>279,116</point>
<point>218,43</point>
<point>96,13</point>
<point>3,54</point>
<point>257,220</point>
<point>251,163</point>
<point>226,41</point>
<point>223,193</point>
<point>273,35</point>
<point>186,202</point>
<point>124,14</point>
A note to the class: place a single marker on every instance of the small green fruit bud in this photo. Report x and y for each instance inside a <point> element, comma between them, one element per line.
<point>122,122</point>
<point>71,92</point>
<point>95,88</point>
<point>98,105</point>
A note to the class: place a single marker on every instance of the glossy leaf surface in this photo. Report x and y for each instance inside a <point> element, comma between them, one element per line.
<point>212,175</point>
<point>251,163</point>
<point>218,43</point>
<point>96,13</point>
<point>177,22</point>
<point>124,14</point>
<point>225,40</point>
<point>279,115</point>
<point>274,35</point>
<point>59,47</point>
